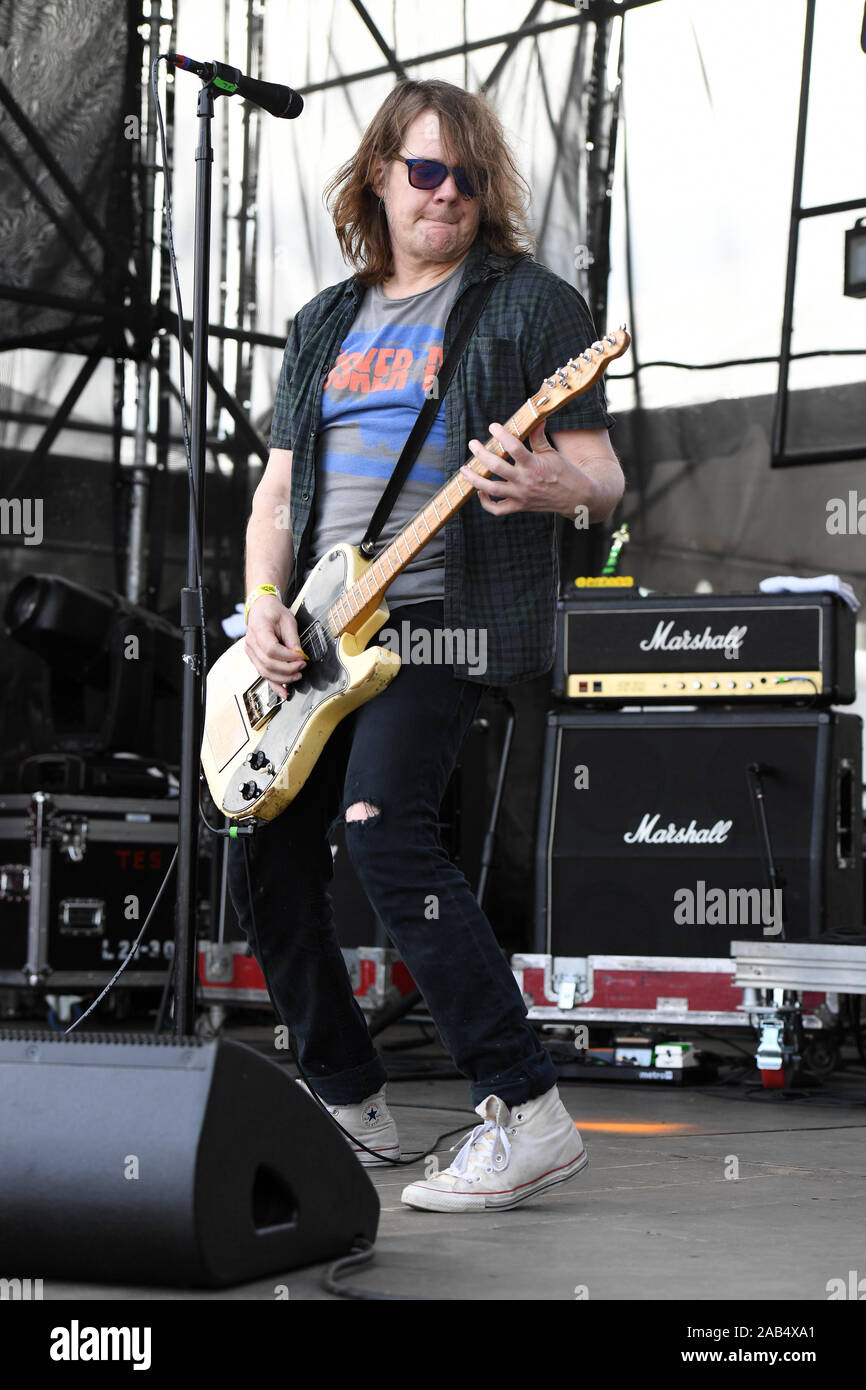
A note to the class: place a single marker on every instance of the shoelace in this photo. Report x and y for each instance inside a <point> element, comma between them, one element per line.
<point>490,1137</point>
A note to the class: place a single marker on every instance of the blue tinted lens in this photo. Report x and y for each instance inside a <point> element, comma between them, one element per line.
<point>427,173</point>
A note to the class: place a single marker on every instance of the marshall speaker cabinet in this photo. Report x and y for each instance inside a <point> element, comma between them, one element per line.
<point>705,648</point>
<point>657,831</point>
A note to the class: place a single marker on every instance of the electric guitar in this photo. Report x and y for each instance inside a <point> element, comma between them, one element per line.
<point>259,749</point>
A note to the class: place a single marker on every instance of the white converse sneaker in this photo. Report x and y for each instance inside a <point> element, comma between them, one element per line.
<point>372,1123</point>
<point>506,1159</point>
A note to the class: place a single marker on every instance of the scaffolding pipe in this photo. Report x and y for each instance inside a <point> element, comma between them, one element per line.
<point>139,494</point>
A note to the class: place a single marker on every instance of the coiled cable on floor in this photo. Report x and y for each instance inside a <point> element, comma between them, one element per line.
<point>361,1256</point>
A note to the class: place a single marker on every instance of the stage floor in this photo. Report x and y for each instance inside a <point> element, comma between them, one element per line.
<point>653,1217</point>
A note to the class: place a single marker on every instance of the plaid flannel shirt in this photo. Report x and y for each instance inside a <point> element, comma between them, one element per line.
<point>501,573</point>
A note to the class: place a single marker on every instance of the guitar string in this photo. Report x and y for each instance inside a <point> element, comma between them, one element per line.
<point>310,630</point>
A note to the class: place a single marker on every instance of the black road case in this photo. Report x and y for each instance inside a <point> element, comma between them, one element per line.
<point>78,876</point>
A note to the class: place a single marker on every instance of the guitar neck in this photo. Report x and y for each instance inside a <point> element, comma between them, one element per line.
<point>367,593</point>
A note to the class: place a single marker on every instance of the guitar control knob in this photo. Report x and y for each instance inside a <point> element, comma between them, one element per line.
<point>258,760</point>
<point>248,790</point>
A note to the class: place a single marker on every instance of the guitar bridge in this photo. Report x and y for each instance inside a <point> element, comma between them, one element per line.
<point>260,701</point>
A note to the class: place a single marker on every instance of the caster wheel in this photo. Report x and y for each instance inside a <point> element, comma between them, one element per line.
<point>771,1079</point>
<point>821,1057</point>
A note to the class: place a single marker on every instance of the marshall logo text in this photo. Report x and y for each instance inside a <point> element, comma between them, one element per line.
<point>691,834</point>
<point>707,641</point>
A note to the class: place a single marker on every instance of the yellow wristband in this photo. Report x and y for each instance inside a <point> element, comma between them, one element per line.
<point>257,593</point>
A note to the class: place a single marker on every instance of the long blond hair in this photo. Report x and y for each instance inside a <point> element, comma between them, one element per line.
<point>471,131</point>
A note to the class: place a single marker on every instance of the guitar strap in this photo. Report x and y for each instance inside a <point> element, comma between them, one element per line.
<point>476,298</point>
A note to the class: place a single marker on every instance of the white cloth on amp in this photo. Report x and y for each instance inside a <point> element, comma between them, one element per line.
<point>821,583</point>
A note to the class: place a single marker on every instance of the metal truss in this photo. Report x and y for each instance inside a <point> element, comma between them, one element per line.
<point>780,457</point>
<point>132,328</point>
<point>596,11</point>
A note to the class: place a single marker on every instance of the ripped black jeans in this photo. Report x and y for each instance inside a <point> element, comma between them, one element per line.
<point>397,754</point>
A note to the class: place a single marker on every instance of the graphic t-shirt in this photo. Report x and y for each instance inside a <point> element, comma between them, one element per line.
<point>371,399</point>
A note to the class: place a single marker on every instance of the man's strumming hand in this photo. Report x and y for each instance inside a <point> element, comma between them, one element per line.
<point>273,645</point>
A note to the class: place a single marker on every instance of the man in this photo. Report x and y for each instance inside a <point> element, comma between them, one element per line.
<point>430,205</point>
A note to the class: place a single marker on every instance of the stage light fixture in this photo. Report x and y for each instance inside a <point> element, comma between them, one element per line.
<point>71,627</point>
<point>99,641</point>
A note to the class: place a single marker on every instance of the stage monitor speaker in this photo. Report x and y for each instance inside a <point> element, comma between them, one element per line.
<point>639,810</point>
<point>150,1160</point>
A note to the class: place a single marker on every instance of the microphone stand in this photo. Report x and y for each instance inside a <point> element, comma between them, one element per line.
<point>190,606</point>
<point>281,102</point>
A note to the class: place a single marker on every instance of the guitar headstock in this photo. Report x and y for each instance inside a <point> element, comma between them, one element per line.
<point>579,373</point>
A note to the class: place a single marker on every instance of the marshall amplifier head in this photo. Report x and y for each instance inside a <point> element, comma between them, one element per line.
<point>670,649</point>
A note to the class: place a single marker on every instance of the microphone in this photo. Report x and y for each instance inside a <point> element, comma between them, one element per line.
<point>270,96</point>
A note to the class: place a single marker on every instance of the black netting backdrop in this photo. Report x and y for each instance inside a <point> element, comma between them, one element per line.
<point>67,66</point>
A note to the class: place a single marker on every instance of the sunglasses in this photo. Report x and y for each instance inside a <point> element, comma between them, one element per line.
<point>429,173</point>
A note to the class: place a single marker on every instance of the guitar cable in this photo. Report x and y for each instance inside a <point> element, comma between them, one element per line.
<point>132,950</point>
<point>786,680</point>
